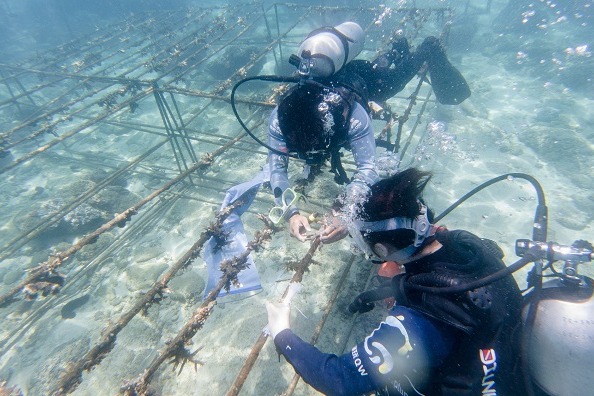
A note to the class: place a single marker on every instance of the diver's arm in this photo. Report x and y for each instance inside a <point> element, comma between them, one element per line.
<point>403,349</point>
<point>278,164</point>
<point>328,373</point>
<point>279,179</point>
<point>362,141</point>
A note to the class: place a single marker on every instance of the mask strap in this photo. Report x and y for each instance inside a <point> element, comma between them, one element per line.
<point>420,225</point>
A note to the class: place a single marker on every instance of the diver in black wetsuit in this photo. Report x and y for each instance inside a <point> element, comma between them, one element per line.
<point>299,126</point>
<point>433,344</point>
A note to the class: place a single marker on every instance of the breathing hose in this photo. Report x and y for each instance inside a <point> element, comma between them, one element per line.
<point>279,79</point>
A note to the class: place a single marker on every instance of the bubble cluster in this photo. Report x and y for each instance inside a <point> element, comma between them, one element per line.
<point>385,14</point>
<point>580,50</point>
<point>387,165</point>
<point>355,196</point>
<point>352,201</point>
<point>439,140</point>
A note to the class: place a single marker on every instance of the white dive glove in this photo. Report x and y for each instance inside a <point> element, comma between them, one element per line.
<point>279,313</point>
<point>278,317</point>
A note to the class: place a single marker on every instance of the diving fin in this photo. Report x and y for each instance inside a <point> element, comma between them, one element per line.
<point>449,85</point>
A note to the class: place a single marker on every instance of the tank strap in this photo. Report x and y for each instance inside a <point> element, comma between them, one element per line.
<point>336,167</point>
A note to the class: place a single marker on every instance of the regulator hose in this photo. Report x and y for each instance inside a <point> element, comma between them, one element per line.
<point>364,301</point>
<point>278,79</point>
<point>539,231</point>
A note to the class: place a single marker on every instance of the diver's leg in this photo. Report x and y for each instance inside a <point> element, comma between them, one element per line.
<point>384,81</point>
<point>381,80</point>
<point>366,71</point>
<point>400,49</point>
<point>393,70</point>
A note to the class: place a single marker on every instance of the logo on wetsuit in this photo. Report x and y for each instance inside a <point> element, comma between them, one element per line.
<point>378,346</point>
<point>489,361</point>
<point>357,361</point>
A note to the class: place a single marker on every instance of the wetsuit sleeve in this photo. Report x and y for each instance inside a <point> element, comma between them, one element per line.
<point>278,164</point>
<point>362,141</point>
<point>401,353</point>
<point>327,373</point>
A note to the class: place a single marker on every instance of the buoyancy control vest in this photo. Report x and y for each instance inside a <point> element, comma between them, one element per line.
<point>487,358</point>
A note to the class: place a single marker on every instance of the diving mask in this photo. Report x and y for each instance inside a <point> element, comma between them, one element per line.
<point>420,225</point>
<point>288,199</point>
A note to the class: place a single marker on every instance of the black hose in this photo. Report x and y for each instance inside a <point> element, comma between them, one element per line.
<point>539,231</point>
<point>494,277</point>
<point>279,79</point>
<point>364,301</point>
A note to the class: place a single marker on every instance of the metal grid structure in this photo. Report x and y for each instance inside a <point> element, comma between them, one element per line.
<point>135,121</point>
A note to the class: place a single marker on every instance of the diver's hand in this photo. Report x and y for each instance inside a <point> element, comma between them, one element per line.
<point>334,231</point>
<point>299,226</point>
<point>278,317</point>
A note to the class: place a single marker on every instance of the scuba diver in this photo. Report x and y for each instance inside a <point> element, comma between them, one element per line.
<point>329,109</point>
<point>465,343</point>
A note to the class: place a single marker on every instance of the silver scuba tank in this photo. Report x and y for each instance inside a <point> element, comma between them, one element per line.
<point>325,51</point>
<point>560,347</point>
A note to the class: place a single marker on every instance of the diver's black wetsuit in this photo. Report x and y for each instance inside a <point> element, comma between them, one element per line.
<point>460,344</point>
<point>388,74</point>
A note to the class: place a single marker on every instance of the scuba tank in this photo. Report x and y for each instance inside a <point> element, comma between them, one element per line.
<point>325,51</point>
<point>559,324</point>
<point>561,342</point>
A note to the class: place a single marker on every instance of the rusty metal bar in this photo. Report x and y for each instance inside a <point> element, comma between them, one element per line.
<point>13,98</point>
<point>72,377</point>
<point>22,239</point>
<point>404,117</point>
<point>73,132</point>
<point>154,211</point>
<point>302,266</point>
<point>86,79</point>
<point>168,121</point>
<point>50,266</point>
<point>414,128</point>
<point>91,44</point>
<point>28,69</point>
<point>176,348</point>
<point>322,322</point>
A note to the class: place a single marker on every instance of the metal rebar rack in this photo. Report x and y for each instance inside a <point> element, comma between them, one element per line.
<point>116,149</point>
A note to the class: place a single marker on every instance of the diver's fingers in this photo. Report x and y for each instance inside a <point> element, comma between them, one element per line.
<point>333,233</point>
<point>298,226</point>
